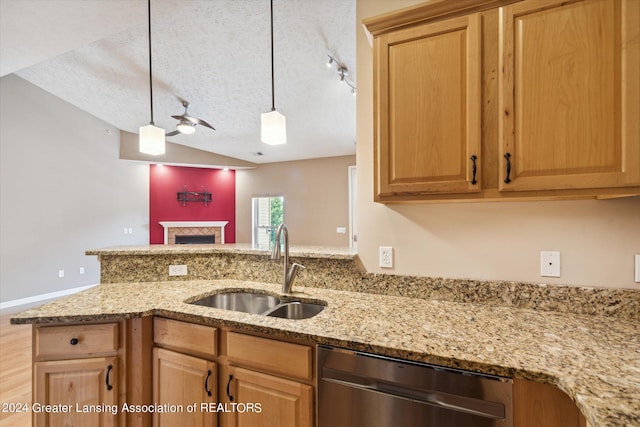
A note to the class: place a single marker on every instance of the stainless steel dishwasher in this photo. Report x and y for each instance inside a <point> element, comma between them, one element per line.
<point>358,389</point>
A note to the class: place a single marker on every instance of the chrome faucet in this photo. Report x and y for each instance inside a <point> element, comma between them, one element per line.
<point>290,271</point>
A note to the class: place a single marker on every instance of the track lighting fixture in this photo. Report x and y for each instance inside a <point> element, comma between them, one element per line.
<point>343,72</point>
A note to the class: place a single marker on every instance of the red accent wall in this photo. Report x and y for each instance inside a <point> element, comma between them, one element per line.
<point>166,181</point>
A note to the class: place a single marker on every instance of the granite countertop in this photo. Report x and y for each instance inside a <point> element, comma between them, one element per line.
<point>594,359</point>
<point>326,252</point>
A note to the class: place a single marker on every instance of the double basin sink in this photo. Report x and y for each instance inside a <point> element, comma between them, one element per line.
<point>257,303</point>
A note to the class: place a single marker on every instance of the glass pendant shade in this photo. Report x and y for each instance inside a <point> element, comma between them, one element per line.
<point>151,140</point>
<point>274,128</point>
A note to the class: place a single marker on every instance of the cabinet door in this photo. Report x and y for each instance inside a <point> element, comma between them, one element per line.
<point>570,97</point>
<point>81,392</point>
<point>268,401</point>
<point>179,381</point>
<point>427,109</point>
<point>543,405</point>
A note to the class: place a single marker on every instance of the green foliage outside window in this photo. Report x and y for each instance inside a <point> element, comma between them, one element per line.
<point>277,214</point>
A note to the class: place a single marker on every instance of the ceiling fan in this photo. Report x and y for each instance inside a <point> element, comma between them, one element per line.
<point>187,124</point>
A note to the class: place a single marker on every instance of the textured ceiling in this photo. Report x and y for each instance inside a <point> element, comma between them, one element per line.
<point>214,54</point>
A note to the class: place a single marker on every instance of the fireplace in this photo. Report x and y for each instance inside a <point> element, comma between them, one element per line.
<point>181,239</point>
<point>177,232</point>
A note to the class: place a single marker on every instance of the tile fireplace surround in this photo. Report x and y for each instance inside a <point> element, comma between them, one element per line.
<point>193,228</point>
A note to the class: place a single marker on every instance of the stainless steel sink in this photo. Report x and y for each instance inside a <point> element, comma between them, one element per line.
<point>296,310</point>
<point>257,303</point>
<point>246,302</point>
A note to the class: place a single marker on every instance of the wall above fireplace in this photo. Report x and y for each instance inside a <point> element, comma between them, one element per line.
<point>163,206</point>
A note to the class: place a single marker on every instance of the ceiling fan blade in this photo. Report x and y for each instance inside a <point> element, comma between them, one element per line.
<point>194,120</point>
<point>175,132</point>
<point>200,122</point>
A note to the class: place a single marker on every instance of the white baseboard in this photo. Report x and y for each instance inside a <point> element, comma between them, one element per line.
<point>42,297</point>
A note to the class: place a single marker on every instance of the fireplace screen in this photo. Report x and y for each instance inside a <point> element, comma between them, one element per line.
<point>194,240</point>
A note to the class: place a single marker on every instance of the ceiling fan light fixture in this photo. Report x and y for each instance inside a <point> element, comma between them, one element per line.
<point>151,140</point>
<point>273,128</point>
<point>186,127</point>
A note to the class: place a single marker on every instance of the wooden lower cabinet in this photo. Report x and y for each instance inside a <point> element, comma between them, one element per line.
<point>268,401</point>
<point>543,405</point>
<point>181,382</point>
<point>78,377</point>
<point>76,392</point>
<point>254,381</point>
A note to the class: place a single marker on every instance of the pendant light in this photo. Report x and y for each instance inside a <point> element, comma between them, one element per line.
<point>274,124</point>
<point>151,136</point>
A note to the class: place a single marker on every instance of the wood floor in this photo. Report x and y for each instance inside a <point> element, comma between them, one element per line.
<point>15,372</point>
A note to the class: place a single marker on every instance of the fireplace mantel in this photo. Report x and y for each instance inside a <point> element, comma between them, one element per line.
<point>168,225</point>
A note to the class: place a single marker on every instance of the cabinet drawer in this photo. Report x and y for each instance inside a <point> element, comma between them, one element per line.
<point>292,360</point>
<point>185,337</point>
<point>56,342</point>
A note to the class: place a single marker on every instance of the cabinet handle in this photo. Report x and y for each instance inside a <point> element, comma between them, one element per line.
<point>474,169</point>
<point>206,383</point>
<point>106,380</point>
<point>228,388</point>
<point>74,341</point>
<point>508,157</point>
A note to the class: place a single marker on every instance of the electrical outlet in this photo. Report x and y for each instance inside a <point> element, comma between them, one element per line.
<point>550,264</point>
<point>60,273</point>
<point>341,230</point>
<point>386,257</point>
<point>178,270</point>
<point>81,271</point>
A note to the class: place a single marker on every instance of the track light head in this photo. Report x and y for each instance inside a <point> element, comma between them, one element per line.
<point>330,61</point>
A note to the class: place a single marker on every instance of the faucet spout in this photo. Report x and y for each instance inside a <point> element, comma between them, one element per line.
<point>289,271</point>
<point>290,277</point>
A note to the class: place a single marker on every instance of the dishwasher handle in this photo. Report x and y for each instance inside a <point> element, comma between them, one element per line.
<point>436,398</point>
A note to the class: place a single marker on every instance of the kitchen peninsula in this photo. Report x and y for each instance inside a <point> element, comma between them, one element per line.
<point>522,331</point>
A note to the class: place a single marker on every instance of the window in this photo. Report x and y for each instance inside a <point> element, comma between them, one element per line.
<point>268,213</point>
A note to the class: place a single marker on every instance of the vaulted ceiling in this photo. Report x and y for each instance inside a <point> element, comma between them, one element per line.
<point>214,54</point>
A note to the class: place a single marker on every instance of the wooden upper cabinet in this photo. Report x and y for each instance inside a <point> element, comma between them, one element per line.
<point>569,103</point>
<point>427,108</point>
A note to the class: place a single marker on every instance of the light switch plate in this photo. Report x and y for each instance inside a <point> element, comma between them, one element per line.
<point>550,264</point>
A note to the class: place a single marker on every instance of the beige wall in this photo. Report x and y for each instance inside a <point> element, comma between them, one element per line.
<point>63,190</point>
<point>315,194</point>
<point>487,241</point>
